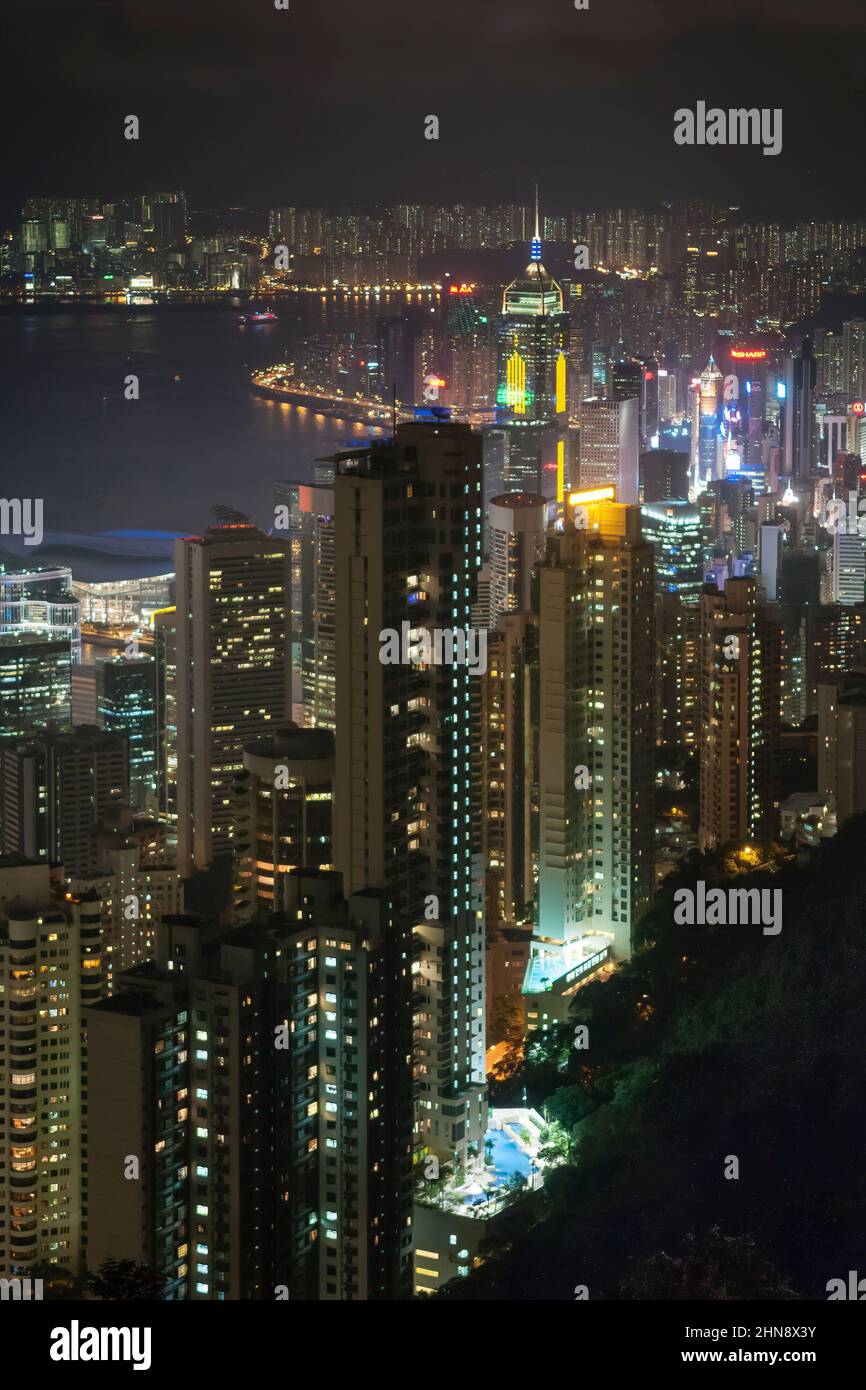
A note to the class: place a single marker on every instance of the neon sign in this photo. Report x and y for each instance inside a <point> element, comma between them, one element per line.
<point>592,494</point>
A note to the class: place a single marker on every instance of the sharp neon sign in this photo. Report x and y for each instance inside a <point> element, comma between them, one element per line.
<point>749,354</point>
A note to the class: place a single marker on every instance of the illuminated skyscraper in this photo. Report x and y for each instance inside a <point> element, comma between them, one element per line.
<point>842,744</point>
<point>233,678</point>
<point>50,969</point>
<point>596,742</point>
<point>770,540</point>
<point>515,543</point>
<point>705,426</point>
<point>309,510</point>
<point>167,217</point>
<point>282,802</point>
<point>750,368</point>
<point>609,453</point>
<point>649,402</point>
<point>35,683</point>
<point>471,328</point>
<point>532,458</point>
<point>599,368</point>
<point>667,394</point>
<point>848,567</point>
<point>741,672</point>
<point>638,378</point>
<point>828,344</point>
<point>165,639</point>
<point>626,379</point>
<point>835,642</point>
<point>533,370</point>
<point>135,885</point>
<point>270,1166</point>
<point>354,956</point>
<point>798,417</point>
<point>674,530</point>
<point>41,601</point>
<point>54,788</point>
<point>663,474</point>
<point>854,359</point>
<point>126,695</point>
<point>408,546</point>
<point>508,746</point>
<point>533,342</point>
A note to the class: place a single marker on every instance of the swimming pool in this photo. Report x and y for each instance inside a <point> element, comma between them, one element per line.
<point>508,1159</point>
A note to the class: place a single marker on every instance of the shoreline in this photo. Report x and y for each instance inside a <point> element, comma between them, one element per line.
<point>232,301</point>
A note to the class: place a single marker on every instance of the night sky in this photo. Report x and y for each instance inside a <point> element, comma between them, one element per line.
<point>243,104</point>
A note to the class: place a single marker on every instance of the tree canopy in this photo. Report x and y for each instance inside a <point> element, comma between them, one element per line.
<point>713,1044</point>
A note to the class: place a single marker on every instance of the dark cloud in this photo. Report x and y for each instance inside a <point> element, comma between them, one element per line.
<point>325,102</point>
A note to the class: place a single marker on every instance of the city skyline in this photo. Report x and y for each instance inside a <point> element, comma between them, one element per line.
<point>433,668</point>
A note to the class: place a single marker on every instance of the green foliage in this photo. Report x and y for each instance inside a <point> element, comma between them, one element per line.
<point>555,1145</point>
<point>569,1105</point>
<point>507,1022</point>
<point>59,1285</point>
<point>548,1056</point>
<point>712,1041</point>
<point>125,1281</point>
<point>719,1267</point>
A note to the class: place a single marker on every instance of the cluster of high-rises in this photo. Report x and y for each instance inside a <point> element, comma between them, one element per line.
<point>266,878</point>
<point>690,258</point>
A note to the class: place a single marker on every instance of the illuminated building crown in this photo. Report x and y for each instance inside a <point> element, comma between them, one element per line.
<point>535,292</point>
<point>711,373</point>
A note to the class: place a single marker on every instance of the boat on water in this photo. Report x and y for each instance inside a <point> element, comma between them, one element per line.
<point>259,316</point>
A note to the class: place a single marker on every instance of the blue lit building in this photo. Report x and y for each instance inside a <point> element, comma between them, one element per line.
<point>674,530</point>
<point>126,704</point>
<point>35,683</point>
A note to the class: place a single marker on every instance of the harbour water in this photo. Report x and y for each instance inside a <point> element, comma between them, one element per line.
<point>196,437</point>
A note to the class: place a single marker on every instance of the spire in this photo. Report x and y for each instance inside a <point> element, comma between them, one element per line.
<point>535,291</point>
<point>535,246</point>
